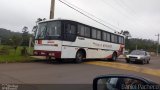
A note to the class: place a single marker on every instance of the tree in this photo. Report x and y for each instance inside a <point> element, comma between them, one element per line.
<point>39,20</point>
<point>25,36</point>
<point>126,33</point>
<point>25,40</point>
<point>127,41</point>
<point>16,40</point>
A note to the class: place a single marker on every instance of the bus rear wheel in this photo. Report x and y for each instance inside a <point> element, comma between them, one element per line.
<point>114,57</point>
<point>79,57</point>
<point>58,60</point>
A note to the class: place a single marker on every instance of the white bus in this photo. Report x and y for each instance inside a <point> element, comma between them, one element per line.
<point>67,39</point>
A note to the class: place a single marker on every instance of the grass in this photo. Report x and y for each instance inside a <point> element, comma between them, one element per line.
<point>13,55</point>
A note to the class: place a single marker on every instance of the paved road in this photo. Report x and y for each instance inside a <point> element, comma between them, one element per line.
<point>65,73</point>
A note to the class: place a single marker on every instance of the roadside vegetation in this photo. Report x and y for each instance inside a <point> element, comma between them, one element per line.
<point>14,46</point>
<point>145,44</point>
<point>9,54</point>
<point>139,43</point>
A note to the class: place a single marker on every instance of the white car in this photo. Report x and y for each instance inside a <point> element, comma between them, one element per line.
<point>138,56</point>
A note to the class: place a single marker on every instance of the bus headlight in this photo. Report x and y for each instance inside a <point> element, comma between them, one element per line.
<point>35,53</point>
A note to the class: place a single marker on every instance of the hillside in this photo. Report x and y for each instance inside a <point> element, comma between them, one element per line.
<point>6,35</point>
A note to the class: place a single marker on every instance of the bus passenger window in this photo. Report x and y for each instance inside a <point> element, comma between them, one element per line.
<point>94,33</point>
<point>99,35</point>
<point>116,39</point>
<point>104,36</point>
<point>123,40</point>
<point>87,32</point>
<point>70,32</point>
<point>73,29</point>
<point>108,37</point>
<point>81,30</point>
<point>120,40</point>
<point>112,38</point>
<point>70,29</point>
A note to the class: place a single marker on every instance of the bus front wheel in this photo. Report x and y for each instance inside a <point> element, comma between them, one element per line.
<point>49,59</point>
<point>79,57</point>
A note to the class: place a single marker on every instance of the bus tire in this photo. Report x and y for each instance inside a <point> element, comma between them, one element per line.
<point>79,57</point>
<point>58,60</point>
<point>114,56</point>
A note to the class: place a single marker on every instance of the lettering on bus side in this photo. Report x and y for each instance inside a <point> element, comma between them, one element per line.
<point>51,41</point>
<point>107,46</point>
<point>102,45</point>
<point>97,44</point>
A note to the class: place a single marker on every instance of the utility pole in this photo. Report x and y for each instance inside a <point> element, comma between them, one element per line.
<point>136,47</point>
<point>30,44</point>
<point>0,40</point>
<point>52,9</point>
<point>158,44</point>
<point>136,44</point>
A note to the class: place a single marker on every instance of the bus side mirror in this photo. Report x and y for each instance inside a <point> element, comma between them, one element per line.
<point>118,82</point>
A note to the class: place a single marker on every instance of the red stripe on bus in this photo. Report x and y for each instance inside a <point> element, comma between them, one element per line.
<point>39,41</point>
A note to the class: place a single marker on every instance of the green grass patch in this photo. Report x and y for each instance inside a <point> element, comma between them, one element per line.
<point>9,55</point>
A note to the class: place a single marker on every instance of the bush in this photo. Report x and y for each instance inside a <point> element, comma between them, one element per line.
<point>24,51</point>
<point>4,50</point>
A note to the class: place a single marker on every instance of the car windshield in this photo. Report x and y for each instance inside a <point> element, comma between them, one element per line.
<point>49,30</point>
<point>137,52</point>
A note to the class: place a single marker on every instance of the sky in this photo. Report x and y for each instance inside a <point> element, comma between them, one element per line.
<point>140,17</point>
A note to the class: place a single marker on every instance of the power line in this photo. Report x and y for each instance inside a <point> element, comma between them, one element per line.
<point>87,16</point>
<point>74,7</point>
<point>132,13</point>
<point>129,18</point>
<point>92,15</point>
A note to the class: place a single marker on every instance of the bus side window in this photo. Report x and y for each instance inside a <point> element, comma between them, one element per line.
<point>119,40</point>
<point>81,30</point>
<point>108,37</point>
<point>115,38</point>
<point>104,36</point>
<point>87,32</point>
<point>84,31</point>
<point>94,33</point>
<point>70,29</point>
<point>70,32</point>
<point>123,40</point>
<point>112,38</point>
<point>99,34</point>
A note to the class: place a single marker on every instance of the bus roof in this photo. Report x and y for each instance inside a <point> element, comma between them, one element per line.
<point>78,22</point>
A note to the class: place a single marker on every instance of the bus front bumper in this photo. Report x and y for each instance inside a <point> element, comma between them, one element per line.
<point>55,54</point>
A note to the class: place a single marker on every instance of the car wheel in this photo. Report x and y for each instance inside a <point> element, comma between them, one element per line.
<point>148,61</point>
<point>79,57</point>
<point>143,61</point>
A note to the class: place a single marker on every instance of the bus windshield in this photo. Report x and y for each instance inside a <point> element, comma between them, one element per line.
<point>49,30</point>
